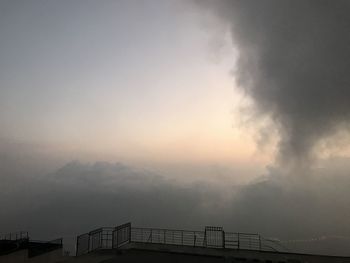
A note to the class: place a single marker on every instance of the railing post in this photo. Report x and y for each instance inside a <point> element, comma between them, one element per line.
<point>259,242</point>
<point>151,234</point>
<point>101,239</point>
<point>223,239</point>
<point>182,237</point>
<point>194,239</point>
<point>113,238</point>
<point>117,238</point>
<point>238,240</point>
<point>164,237</point>
<point>89,243</point>
<point>76,247</point>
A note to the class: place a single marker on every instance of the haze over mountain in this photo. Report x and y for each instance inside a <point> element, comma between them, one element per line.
<point>120,111</point>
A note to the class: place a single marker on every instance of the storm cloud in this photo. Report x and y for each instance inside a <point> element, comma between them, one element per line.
<point>294,61</point>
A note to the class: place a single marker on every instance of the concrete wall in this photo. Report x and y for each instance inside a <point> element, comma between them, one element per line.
<point>231,255</point>
<point>141,252</point>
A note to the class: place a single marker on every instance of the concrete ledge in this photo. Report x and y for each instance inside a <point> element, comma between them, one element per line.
<point>235,254</point>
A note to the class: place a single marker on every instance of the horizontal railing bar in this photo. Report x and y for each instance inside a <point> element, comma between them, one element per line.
<point>162,229</point>
<point>242,233</point>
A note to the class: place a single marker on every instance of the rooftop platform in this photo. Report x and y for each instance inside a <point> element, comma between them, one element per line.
<point>133,244</point>
<point>18,247</point>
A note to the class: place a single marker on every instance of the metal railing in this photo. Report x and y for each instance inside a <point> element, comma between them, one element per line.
<point>167,236</point>
<point>121,235</point>
<point>273,245</point>
<point>103,238</point>
<point>212,237</point>
<point>243,241</point>
<point>15,236</point>
<point>100,238</point>
<point>220,239</point>
<point>197,238</point>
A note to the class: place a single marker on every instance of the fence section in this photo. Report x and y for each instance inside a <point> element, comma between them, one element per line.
<point>100,238</point>
<point>167,236</point>
<point>15,236</point>
<point>243,241</point>
<point>273,245</point>
<point>82,244</point>
<point>121,235</point>
<point>212,237</point>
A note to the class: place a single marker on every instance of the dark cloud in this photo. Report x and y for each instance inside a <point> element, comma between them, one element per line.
<point>294,63</point>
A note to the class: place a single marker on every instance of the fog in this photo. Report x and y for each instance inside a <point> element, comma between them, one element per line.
<point>292,66</point>
<point>81,196</point>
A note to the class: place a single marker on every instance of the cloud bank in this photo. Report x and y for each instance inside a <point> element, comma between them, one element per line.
<point>79,197</point>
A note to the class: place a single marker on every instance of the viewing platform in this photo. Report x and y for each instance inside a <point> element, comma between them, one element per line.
<point>125,243</point>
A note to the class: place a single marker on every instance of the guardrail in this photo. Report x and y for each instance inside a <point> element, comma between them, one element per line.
<point>167,236</point>
<point>15,236</point>
<point>121,235</point>
<point>100,238</point>
<point>212,237</point>
<point>273,245</point>
<point>222,239</point>
<point>243,241</point>
<point>103,238</point>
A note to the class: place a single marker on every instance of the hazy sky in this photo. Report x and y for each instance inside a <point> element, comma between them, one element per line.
<point>204,112</point>
<point>120,79</point>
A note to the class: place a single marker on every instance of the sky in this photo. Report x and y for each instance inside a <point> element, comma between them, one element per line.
<point>203,112</point>
<point>120,79</point>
